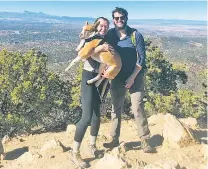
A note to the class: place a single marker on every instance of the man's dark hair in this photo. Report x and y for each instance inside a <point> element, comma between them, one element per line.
<point>105,19</point>
<point>121,11</point>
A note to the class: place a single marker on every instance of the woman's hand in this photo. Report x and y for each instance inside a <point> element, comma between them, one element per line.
<point>103,48</point>
<point>106,47</point>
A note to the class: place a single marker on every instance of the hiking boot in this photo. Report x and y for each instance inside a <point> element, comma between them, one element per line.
<point>113,143</point>
<point>94,152</point>
<point>78,161</point>
<point>146,147</point>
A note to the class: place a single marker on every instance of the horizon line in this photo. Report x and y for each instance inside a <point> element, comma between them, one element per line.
<point>108,18</point>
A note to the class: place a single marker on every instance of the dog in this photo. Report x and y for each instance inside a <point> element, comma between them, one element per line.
<point>89,41</point>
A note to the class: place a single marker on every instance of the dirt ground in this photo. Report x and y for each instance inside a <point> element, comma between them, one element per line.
<point>191,157</point>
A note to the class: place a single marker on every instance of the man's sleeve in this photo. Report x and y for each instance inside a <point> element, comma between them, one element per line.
<point>140,46</point>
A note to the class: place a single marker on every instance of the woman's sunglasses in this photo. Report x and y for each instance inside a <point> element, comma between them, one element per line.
<point>121,18</point>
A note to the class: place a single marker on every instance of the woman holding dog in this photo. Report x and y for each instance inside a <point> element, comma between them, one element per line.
<point>90,104</point>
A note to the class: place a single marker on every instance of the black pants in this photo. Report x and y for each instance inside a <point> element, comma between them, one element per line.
<point>90,108</point>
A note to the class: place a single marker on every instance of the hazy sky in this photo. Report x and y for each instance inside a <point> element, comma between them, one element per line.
<point>189,10</point>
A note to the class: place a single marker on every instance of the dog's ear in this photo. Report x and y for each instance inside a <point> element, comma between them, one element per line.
<point>96,25</point>
<point>86,23</point>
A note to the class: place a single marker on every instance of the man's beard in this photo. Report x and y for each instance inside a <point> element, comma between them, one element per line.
<point>122,27</point>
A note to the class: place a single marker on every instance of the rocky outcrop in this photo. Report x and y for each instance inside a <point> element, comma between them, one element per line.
<point>190,122</point>
<point>164,164</point>
<point>52,147</point>
<point>177,134</point>
<point>113,159</point>
<point>110,161</point>
<point>70,129</point>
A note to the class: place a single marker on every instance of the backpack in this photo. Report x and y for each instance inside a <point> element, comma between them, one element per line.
<point>133,40</point>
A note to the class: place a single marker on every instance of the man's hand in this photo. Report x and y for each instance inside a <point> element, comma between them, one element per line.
<point>129,82</point>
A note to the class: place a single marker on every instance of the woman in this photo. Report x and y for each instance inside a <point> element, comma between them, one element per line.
<point>90,104</point>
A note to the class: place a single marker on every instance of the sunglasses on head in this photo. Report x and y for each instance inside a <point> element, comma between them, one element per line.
<point>121,18</point>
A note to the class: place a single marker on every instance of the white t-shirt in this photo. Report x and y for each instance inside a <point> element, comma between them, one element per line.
<point>91,65</point>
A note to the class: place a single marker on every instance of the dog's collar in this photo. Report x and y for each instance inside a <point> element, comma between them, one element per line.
<point>94,37</point>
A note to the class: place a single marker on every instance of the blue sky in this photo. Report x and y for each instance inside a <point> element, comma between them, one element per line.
<point>189,10</point>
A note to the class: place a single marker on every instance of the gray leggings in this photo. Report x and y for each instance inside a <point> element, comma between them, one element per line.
<point>90,108</point>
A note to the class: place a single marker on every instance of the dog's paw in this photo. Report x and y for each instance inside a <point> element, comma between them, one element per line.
<point>90,82</point>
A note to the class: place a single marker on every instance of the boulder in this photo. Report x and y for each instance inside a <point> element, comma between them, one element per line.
<point>6,139</point>
<point>3,141</point>
<point>119,151</point>
<point>70,128</point>
<point>156,118</point>
<point>164,164</point>
<point>1,152</point>
<point>190,122</point>
<point>51,147</point>
<point>29,157</point>
<point>110,161</point>
<point>176,134</point>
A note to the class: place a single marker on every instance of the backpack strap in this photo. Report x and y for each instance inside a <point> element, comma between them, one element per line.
<point>133,40</point>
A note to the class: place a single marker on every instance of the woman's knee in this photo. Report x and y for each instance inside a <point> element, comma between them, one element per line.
<point>85,120</point>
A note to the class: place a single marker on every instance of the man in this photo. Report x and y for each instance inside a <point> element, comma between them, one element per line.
<point>130,77</point>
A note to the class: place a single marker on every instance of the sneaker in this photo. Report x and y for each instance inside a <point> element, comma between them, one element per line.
<point>113,143</point>
<point>146,147</point>
<point>94,152</point>
<point>78,161</point>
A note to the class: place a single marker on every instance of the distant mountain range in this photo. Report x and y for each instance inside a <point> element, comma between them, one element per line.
<point>42,17</point>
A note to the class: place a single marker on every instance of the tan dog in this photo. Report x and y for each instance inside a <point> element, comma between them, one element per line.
<point>113,62</point>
